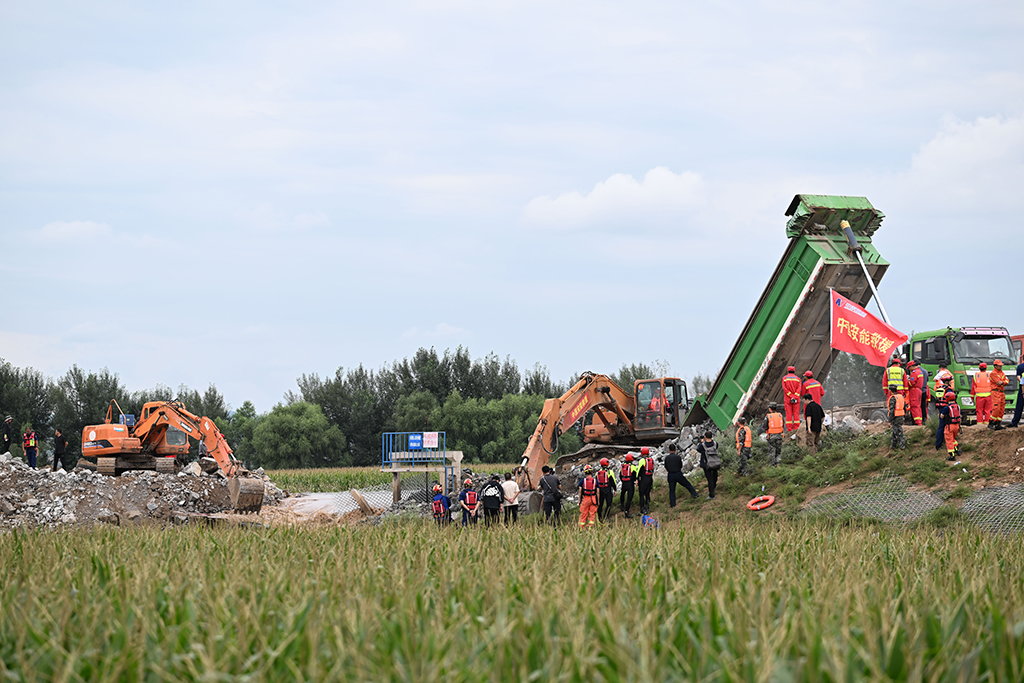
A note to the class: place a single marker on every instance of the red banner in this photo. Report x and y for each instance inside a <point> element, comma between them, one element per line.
<point>854,330</point>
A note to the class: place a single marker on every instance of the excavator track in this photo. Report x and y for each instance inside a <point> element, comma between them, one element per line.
<point>166,466</point>
<point>107,466</point>
<point>246,494</point>
<point>592,453</point>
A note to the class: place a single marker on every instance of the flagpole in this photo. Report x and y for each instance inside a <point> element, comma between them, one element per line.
<point>857,249</point>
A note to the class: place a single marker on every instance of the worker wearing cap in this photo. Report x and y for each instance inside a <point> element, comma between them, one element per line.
<point>588,497</point>
<point>999,381</point>
<point>949,425</point>
<point>605,489</point>
<point>791,386</point>
<point>469,503</point>
<point>628,474</point>
<point>981,390</point>
<point>915,378</point>
<point>894,375</point>
<point>743,440</point>
<point>645,480</point>
<point>8,432</point>
<point>897,416</point>
<point>773,426</point>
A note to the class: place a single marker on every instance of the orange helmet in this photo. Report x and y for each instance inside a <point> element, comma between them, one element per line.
<point>604,462</point>
<point>644,451</point>
<point>997,362</point>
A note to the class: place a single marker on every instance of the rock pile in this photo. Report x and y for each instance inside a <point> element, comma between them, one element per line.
<point>32,498</point>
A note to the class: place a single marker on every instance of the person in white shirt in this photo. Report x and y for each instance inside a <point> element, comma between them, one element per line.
<point>511,502</point>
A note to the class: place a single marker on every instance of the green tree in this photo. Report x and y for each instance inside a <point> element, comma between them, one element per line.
<point>413,412</point>
<point>700,384</point>
<point>81,398</point>
<point>238,429</point>
<point>297,436</point>
<point>628,374</point>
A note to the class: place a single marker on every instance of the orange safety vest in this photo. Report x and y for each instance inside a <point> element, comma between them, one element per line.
<point>30,439</point>
<point>589,486</point>
<point>982,385</point>
<point>898,412</point>
<point>746,438</point>
<point>626,473</point>
<point>774,423</point>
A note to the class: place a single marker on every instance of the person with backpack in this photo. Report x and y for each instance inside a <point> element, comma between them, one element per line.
<point>551,487</point>
<point>674,467</point>
<point>949,425</point>
<point>710,461</point>
<point>627,477</point>
<point>743,441</point>
<point>588,497</point>
<point>605,490</point>
<point>491,496</point>
<point>469,503</point>
<point>442,507</point>
<point>645,483</point>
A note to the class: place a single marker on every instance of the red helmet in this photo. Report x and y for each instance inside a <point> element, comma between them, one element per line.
<point>644,451</point>
<point>468,482</point>
<point>950,396</point>
<point>437,488</point>
<point>791,369</point>
<point>629,457</point>
<point>808,374</point>
<point>604,462</point>
<point>982,365</point>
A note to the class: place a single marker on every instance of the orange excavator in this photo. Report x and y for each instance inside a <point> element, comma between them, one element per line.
<point>159,440</point>
<point>611,421</point>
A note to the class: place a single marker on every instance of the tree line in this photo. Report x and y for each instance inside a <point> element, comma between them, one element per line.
<point>487,407</point>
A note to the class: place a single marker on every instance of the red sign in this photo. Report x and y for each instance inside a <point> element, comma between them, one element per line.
<point>576,411</point>
<point>854,330</point>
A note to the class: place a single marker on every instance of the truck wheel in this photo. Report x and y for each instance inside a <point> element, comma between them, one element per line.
<point>879,415</point>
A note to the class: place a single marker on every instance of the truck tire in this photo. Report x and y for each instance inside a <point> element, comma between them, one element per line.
<point>879,415</point>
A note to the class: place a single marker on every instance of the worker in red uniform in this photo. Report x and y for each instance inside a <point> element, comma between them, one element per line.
<point>915,379</point>
<point>791,387</point>
<point>588,497</point>
<point>999,381</point>
<point>981,390</point>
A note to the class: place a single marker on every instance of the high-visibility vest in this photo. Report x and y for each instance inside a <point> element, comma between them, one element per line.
<point>471,499</point>
<point>649,466</point>
<point>602,479</point>
<point>895,375</point>
<point>791,387</point>
<point>746,438</point>
<point>898,410</point>
<point>30,439</point>
<point>774,423</point>
<point>982,384</point>
<point>589,486</point>
<point>626,473</point>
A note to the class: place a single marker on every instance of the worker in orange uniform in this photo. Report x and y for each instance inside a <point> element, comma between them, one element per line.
<point>949,425</point>
<point>791,386</point>
<point>605,489</point>
<point>588,497</point>
<point>915,378</point>
<point>999,381</point>
<point>773,425</point>
<point>981,390</point>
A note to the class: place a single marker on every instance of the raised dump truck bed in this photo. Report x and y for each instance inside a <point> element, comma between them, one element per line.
<point>790,324</point>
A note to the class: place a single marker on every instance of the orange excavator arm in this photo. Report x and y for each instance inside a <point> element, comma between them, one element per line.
<point>203,429</point>
<point>612,406</point>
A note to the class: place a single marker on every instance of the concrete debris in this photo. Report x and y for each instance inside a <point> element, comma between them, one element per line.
<point>850,424</point>
<point>31,498</point>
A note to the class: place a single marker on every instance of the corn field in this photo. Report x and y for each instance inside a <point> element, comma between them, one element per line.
<point>406,601</point>
<point>319,480</point>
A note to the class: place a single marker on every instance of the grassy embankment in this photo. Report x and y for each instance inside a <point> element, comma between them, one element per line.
<point>751,601</point>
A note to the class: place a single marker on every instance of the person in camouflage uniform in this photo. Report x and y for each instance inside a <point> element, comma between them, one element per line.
<point>774,426</point>
<point>897,414</point>
<point>743,440</point>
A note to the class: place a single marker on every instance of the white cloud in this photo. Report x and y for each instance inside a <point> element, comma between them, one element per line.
<point>72,231</point>
<point>660,193</point>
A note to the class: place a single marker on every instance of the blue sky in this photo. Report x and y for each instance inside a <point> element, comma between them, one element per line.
<point>239,193</point>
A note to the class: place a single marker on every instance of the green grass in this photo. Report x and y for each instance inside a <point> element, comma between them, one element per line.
<point>758,600</point>
<point>345,478</point>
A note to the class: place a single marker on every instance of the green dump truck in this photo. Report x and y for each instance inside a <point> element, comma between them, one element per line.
<point>962,349</point>
<point>791,323</point>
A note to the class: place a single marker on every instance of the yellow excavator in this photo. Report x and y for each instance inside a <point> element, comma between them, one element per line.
<point>611,420</point>
<point>159,441</point>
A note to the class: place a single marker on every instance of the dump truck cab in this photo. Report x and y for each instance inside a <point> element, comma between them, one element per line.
<point>962,349</point>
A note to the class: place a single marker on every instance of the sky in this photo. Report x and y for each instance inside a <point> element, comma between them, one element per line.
<point>238,193</point>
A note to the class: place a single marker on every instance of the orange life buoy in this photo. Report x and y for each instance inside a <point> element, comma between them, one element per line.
<point>760,503</point>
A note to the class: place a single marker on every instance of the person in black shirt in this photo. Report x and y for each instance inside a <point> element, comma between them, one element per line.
<point>710,461</point>
<point>8,434</point>
<point>814,416</point>
<point>60,448</point>
<point>674,467</point>
<point>551,487</point>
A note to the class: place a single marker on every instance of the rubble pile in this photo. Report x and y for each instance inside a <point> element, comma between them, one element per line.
<point>31,498</point>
